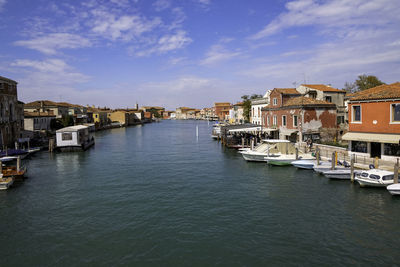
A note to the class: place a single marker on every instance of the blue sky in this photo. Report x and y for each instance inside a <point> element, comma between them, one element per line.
<point>192,52</point>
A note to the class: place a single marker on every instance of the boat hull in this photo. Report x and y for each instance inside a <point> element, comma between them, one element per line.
<point>394,189</point>
<point>370,183</point>
<point>286,162</point>
<point>6,183</point>
<point>253,157</point>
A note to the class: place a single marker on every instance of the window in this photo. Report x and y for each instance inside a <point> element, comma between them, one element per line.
<point>388,177</point>
<point>295,122</point>
<point>252,113</point>
<point>284,120</point>
<point>66,136</point>
<point>1,86</point>
<point>340,119</point>
<point>358,146</point>
<point>312,94</point>
<point>391,150</point>
<point>328,99</point>
<point>275,101</point>
<point>259,111</point>
<point>395,112</point>
<point>374,176</point>
<point>268,122</point>
<point>356,113</point>
<point>274,120</point>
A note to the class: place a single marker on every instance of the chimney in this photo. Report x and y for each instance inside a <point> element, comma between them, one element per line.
<point>137,106</point>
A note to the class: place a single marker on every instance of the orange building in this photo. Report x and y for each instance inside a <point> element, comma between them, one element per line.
<point>374,122</point>
<point>222,110</point>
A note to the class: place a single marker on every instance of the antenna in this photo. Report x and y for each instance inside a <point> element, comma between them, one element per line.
<point>294,84</point>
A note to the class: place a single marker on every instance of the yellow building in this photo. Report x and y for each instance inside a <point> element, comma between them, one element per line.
<point>119,116</point>
<point>100,116</point>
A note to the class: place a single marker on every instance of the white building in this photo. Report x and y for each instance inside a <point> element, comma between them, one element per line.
<point>74,138</point>
<point>256,106</point>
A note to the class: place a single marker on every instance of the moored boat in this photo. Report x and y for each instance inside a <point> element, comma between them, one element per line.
<point>340,174</point>
<point>308,164</point>
<point>394,189</point>
<point>5,182</point>
<point>375,178</point>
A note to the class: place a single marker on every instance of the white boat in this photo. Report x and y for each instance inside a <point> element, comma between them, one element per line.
<point>284,159</point>
<point>375,178</point>
<point>216,130</point>
<point>308,164</point>
<point>340,174</point>
<point>5,183</point>
<point>327,167</point>
<point>257,154</point>
<point>394,189</point>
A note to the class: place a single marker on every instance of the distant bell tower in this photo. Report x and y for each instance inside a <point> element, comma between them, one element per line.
<point>137,106</point>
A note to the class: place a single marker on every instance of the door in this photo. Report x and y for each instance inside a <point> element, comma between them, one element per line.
<point>376,150</point>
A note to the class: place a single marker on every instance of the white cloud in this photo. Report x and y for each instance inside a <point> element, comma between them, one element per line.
<point>126,27</point>
<point>161,5</point>
<point>166,43</point>
<point>204,2</point>
<point>332,13</point>
<point>2,3</point>
<point>121,3</point>
<point>217,54</point>
<point>49,44</point>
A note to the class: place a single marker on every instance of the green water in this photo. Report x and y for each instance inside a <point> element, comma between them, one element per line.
<point>156,195</point>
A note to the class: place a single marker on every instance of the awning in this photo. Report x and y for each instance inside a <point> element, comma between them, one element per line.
<point>372,137</point>
<point>287,132</point>
<point>252,129</point>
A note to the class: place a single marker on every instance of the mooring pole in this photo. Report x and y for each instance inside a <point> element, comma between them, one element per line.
<point>352,168</point>
<point>333,161</point>
<point>396,172</point>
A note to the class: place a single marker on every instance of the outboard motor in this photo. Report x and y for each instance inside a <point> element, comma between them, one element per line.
<point>346,164</point>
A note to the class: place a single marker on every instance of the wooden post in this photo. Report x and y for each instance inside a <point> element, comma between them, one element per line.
<point>317,154</point>
<point>336,158</point>
<point>333,161</point>
<point>297,153</point>
<point>305,148</point>
<point>352,169</point>
<point>242,142</point>
<point>1,167</point>
<point>18,163</point>
<point>286,148</point>
<point>6,151</point>
<point>396,172</point>
<point>252,144</point>
<point>29,145</point>
<point>376,162</point>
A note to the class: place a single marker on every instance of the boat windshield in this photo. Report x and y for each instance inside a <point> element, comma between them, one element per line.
<point>388,177</point>
<point>364,174</point>
<point>374,176</point>
<point>262,148</point>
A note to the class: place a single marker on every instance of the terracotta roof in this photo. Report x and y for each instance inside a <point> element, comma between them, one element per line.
<point>239,104</point>
<point>323,88</point>
<point>385,91</point>
<point>306,101</point>
<point>288,91</point>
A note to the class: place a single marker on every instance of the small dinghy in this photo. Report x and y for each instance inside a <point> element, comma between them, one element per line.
<point>308,164</point>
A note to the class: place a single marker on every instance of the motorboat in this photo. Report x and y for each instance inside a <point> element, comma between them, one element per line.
<point>375,178</point>
<point>283,153</point>
<point>257,154</point>
<point>394,189</point>
<point>328,166</point>
<point>5,183</point>
<point>308,164</point>
<point>10,168</point>
<point>216,130</point>
<point>340,174</point>
<point>284,160</point>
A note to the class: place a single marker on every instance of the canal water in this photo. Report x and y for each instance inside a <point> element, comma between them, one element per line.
<point>156,195</point>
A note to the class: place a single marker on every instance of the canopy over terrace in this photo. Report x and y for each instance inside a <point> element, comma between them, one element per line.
<point>258,129</point>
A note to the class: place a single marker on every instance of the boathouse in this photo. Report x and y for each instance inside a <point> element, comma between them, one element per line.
<point>74,138</point>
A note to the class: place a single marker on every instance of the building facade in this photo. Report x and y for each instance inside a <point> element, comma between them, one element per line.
<point>374,122</point>
<point>298,118</point>
<point>256,106</point>
<point>222,110</point>
<point>37,121</point>
<point>11,114</point>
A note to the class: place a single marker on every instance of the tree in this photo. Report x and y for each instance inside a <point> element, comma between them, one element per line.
<point>247,105</point>
<point>350,87</point>
<point>365,82</point>
<point>67,120</point>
